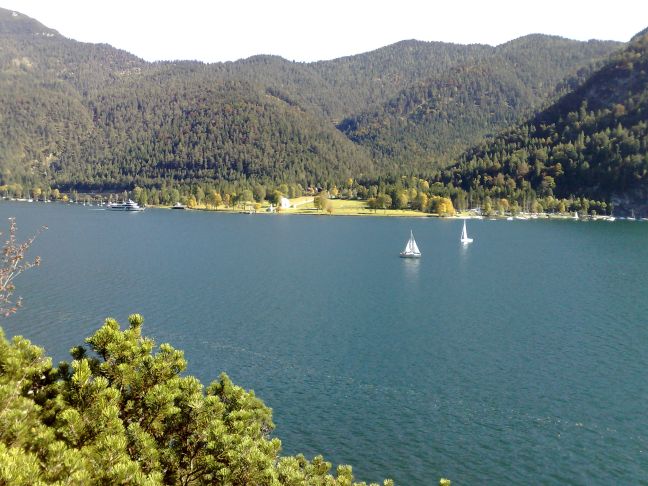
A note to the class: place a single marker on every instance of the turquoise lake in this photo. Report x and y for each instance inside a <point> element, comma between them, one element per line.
<point>520,359</point>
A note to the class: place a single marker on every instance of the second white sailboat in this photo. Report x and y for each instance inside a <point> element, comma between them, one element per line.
<point>464,235</point>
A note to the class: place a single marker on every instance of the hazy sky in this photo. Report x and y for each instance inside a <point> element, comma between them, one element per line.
<point>303,30</point>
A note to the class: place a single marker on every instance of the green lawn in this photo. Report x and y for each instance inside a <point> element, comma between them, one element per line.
<point>346,207</point>
<point>338,207</point>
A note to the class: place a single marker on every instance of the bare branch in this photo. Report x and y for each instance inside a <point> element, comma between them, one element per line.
<point>13,264</point>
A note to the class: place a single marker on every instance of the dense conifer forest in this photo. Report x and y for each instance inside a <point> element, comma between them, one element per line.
<point>592,143</point>
<point>428,124</point>
<point>90,117</point>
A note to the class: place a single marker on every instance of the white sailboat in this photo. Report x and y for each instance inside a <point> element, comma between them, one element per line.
<point>464,235</point>
<point>411,249</point>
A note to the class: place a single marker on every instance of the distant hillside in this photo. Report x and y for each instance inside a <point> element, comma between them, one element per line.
<point>427,124</point>
<point>341,87</point>
<point>45,80</point>
<point>176,125</point>
<point>593,142</point>
<point>94,117</point>
<point>89,116</point>
<point>17,24</point>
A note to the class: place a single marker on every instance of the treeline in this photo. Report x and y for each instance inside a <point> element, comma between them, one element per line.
<point>413,193</point>
<point>428,195</point>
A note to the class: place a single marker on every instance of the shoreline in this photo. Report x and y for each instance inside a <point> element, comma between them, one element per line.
<point>407,213</point>
<point>357,208</point>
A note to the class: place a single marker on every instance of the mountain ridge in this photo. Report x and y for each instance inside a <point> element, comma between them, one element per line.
<point>592,142</point>
<point>407,123</point>
<point>96,113</point>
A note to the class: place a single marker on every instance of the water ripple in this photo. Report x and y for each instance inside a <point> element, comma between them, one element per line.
<point>521,357</point>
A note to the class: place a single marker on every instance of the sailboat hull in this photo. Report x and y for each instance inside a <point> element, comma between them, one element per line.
<point>410,255</point>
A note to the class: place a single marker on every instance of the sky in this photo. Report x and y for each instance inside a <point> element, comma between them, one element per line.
<point>310,30</point>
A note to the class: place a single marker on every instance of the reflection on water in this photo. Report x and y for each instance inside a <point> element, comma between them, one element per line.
<point>464,257</point>
<point>412,267</point>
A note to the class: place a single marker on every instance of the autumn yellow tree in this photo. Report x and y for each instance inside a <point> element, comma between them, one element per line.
<point>442,206</point>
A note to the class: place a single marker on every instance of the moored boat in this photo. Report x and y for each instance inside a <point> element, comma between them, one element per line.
<point>129,205</point>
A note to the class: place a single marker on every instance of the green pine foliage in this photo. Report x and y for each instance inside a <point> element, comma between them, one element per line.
<point>123,412</point>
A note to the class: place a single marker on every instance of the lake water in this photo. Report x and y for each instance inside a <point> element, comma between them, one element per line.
<point>520,359</point>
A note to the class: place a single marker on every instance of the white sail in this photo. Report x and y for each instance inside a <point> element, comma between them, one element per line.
<point>411,248</point>
<point>464,235</point>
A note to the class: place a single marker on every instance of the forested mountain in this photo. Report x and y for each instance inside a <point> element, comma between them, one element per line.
<point>45,80</point>
<point>593,142</point>
<point>427,124</point>
<point>341,87</point>
<point>92,117</point>
<point>177,125</point>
